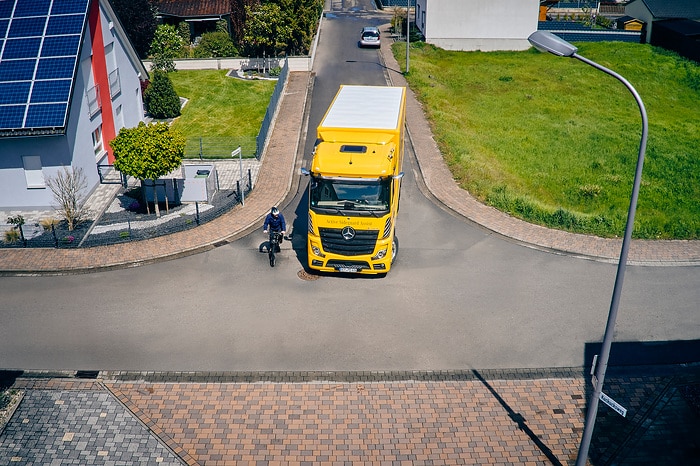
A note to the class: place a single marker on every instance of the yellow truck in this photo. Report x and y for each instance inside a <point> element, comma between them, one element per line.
<point>355,179</point>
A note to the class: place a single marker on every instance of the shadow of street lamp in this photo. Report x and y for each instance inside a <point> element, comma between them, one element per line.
<point>548,42</point>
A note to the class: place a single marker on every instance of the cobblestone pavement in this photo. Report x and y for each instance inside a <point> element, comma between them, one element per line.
<point>473,417</point>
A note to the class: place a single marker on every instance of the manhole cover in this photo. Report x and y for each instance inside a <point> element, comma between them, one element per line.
<point>304,275</point>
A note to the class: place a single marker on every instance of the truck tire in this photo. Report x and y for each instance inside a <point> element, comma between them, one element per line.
<point>394,248</point>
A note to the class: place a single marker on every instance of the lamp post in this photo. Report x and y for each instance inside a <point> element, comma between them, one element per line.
<point>548,42</point>
<point>408,30</point>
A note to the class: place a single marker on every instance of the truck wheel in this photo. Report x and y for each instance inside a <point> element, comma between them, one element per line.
<point>394,248</point>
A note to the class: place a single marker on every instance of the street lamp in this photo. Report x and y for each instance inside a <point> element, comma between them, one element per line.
<point>548,42</point>
<point>408,31</point>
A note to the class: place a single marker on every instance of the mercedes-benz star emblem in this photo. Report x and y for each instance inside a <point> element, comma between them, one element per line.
<point>348,233</point>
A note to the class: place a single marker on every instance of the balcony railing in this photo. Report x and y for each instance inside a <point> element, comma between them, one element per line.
<point>115,86</point>
<point>93,98</point>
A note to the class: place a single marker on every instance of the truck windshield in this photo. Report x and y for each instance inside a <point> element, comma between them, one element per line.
<point>351,195</point>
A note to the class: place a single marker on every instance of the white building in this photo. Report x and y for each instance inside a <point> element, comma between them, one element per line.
<point>485,25</point>
<point>69,81</point>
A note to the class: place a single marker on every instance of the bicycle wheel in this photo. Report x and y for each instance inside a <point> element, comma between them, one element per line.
<point>271,255</point>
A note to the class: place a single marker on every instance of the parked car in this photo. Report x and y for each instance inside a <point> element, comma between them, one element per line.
<point>370,37</point>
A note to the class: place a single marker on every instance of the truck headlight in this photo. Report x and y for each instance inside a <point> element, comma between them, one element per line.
<point>380,255</point>
<point>316,250</point>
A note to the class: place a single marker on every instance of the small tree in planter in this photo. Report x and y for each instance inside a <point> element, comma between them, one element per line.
<point>68,188</point>
<point>148,152</point>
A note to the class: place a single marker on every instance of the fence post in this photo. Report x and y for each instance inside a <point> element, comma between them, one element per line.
<point>250,181</point>
<point>55,238</point>
<point>200,148</point>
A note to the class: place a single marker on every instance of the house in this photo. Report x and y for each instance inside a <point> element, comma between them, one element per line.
<point>483,25</point>
<point>200,15</point>
<point>69,81</point>
<point>652,11</point>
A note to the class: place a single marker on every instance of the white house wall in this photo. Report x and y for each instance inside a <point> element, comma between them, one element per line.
<point>75,148</point>
<point>469,25</point>
<point>129,75</point>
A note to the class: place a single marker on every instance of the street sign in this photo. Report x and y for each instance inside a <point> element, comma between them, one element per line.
<point>617,407</point>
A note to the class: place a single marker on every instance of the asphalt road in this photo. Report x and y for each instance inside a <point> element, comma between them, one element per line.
<point>458,296</point>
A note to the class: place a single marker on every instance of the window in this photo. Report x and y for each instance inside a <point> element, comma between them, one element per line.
<point>120,119</point>
<point>33,172</point>
<point>97,141</point>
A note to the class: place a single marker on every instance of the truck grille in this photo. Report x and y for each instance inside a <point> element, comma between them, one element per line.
<point>363,243</point>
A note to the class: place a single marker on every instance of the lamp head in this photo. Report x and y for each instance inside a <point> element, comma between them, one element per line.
<point>545,41</point>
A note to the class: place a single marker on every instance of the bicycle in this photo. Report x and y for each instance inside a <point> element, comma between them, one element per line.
<point>273,246</point>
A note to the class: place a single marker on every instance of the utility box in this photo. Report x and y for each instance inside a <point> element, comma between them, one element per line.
<point>189,183</point>
<point>199,183</point>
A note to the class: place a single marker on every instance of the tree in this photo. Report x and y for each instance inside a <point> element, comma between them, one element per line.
<point>68,188</point>
<point>238,17</point>
<point>148,152</point>
<point>277,27</point>
<point>139,20</point>
<point>160,97</point>
<point>166,46</point>
<point>266,31</point>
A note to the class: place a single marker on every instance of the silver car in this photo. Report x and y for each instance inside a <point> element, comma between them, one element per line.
<point>369,37</point>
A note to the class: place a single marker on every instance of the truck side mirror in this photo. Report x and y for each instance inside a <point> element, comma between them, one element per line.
<point>305,171</point>
<point>399,176</point>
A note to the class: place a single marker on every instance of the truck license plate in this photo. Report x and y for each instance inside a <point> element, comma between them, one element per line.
<point>347,269</point>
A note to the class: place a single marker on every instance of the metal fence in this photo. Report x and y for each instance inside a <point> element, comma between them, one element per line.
<point>219,147</point>
<point>271,111</point>
<point>579,32</point>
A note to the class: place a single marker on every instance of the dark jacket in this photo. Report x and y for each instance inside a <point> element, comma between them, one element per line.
<point>275,224</point>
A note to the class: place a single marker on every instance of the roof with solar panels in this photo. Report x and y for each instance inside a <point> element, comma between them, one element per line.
<point>40,42</point>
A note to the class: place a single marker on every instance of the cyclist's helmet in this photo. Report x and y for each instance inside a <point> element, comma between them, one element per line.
<point>275,211</point>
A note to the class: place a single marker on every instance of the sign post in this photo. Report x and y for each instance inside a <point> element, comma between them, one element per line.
<point>238,153</point>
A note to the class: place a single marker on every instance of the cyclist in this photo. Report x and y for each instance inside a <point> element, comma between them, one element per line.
<point>275,223</point>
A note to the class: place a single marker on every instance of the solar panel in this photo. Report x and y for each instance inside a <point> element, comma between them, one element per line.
<point>64,7</point>
<point>12,93</point>
<point>21,48</point>
<point>68,24</point>
<point>55,68</point>
<point>50,91</point>
<point>39,42</point>
<point>27,27</point>
<point>31,8</point>
<point>46,115</point>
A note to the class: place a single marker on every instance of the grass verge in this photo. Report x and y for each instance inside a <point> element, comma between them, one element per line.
<point>555,141</point>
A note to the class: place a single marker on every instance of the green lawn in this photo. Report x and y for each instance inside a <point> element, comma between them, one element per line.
<point>225,112</point>
<point>555,141</point>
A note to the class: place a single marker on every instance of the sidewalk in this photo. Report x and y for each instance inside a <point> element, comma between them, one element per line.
<point>470,417</point>
<point>273,183</point>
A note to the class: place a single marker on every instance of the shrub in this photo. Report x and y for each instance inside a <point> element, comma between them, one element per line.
<point>215,44</point>
<point>11,236</point>
<point>160,97</point>
<point>48,222</point>
<point>183,30</point>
